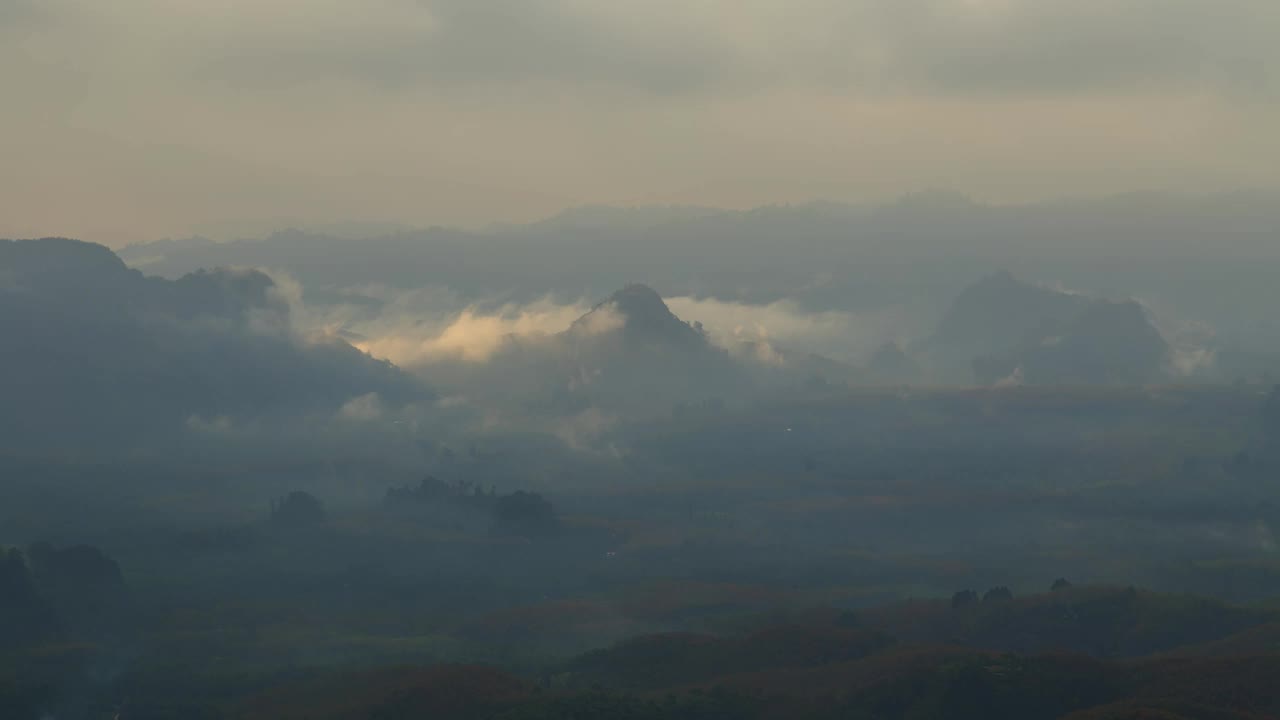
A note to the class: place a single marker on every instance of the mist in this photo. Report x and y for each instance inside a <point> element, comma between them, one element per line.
<point>549,359</point>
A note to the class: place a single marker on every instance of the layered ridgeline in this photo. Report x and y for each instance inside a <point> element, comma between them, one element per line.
<point>1003,330</point>
<point>95,354</point>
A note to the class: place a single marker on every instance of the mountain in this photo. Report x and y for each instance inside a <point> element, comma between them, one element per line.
<point>636,317</point>
<point>606,218</point>
<point>1107,343</point>
<point>96,354</point>
<point>771,364</point>
<point>1210,257</point>
<point>629,356</point>
<point>632,350</point>
<point>1001,311</point>
<point>1005,329</point>
<point>890,364</point>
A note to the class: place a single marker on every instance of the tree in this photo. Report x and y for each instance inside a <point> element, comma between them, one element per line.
<point>1060,584</point>
<point>1000,593</point>
<point>297,509</point>
<point>527,515</point>
<point>84,586</point>
<point>963,599</point>
<point>431,490</point>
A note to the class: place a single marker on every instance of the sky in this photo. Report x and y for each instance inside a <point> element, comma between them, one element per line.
<point>134,120</point>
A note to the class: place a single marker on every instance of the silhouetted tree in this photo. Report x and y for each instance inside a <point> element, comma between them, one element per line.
<point>523,514</point>
<point>430,489</point>
<point>297,509</point>
<point>1000,593</point>
<point>1060,584</point>
<point>964,598</point>
<point>83,585</point>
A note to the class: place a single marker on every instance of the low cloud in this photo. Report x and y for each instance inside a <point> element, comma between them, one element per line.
<point>472,335</point>
<point>364,408</point>
<point>585,430</point>
<point>784,324</point>
<point>1192,343</point>
<point>425,327</point>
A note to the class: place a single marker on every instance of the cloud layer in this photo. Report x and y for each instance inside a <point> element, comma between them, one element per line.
<point>416,329</point>
<point>472,336</point>
<point>151,117</point>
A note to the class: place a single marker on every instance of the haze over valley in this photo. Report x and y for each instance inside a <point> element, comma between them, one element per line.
<point>567,360</point>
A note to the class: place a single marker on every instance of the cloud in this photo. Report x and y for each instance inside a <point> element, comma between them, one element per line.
<point>784,324</point>
<point>409,330</point>
<point>1192,352</point>
<point>460,45</point>
<point>472,335</point>
<point>426,328</point>
<point>661,47</point>
<point>363,408</point>
<point>585,430</point>
<point>1052,47</point>
<point>1189,362</point>
<point>135,119</point>
<point>667,47</point>
<point>600,320</point>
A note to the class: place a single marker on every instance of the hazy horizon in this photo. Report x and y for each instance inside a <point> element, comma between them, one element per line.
<point>227,230</point>
<point>138,120</point>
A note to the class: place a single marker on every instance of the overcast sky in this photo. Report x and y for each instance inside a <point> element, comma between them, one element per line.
<point>130,120</point>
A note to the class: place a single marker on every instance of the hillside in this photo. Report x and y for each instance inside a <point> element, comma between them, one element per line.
<point>96,353</point>
<point>631,351</point>
<point>1001,329</point>
<point>827,664</point>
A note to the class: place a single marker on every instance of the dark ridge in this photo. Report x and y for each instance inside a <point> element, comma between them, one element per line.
<point>646,318</point>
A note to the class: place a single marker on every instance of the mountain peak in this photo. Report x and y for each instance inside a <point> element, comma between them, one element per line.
<point>1000,278</point>
<point>54,265</point>
<point>637,301</point>
<point>1000,310</point>
<point>52,255</point>
<point>639,314</point>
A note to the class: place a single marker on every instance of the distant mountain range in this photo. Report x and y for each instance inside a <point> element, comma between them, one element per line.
<point>96,352</point>
<point>1210,258</point>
